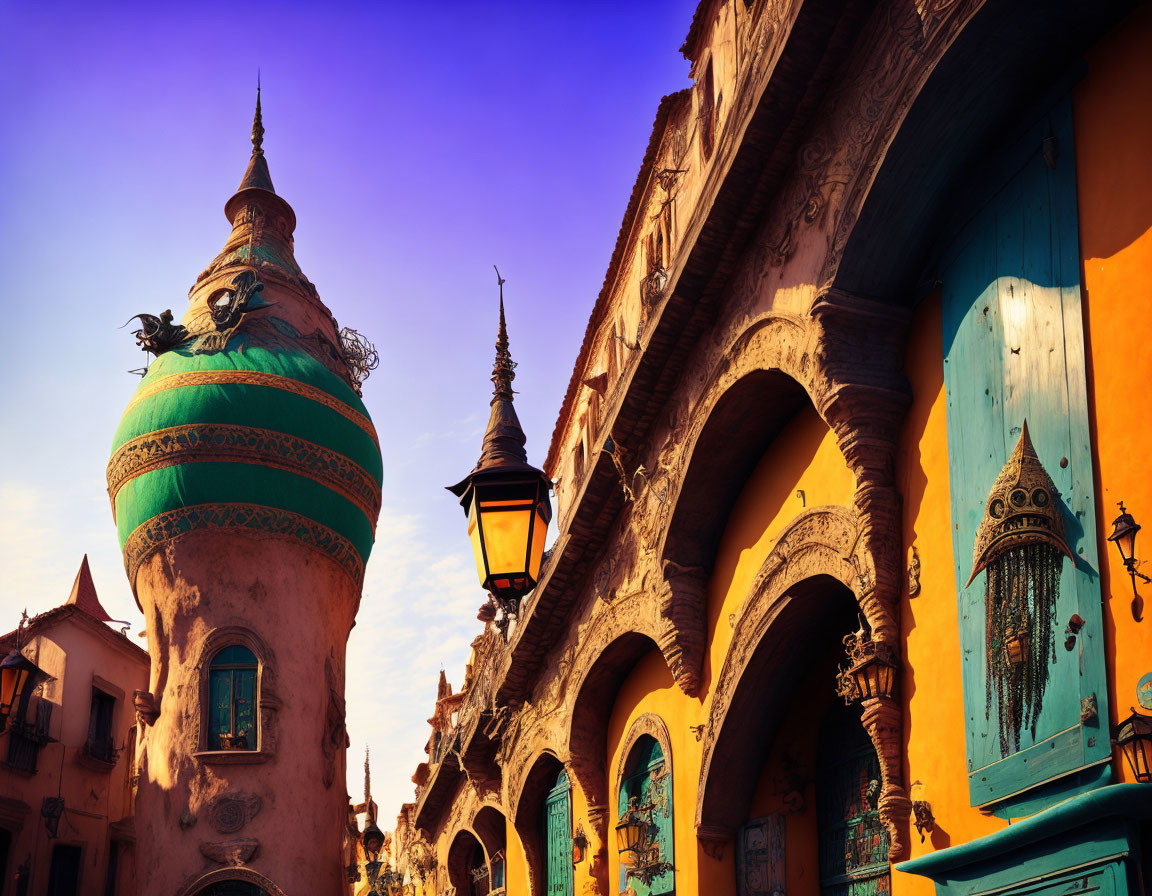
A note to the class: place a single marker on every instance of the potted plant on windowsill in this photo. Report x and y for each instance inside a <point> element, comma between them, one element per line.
<point>237,741</point>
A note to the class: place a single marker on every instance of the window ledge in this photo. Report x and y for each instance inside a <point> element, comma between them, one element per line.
<point>233,757</point>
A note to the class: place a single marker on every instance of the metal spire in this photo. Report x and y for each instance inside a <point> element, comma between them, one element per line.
<point>503,371</point>
<point>257,123</point>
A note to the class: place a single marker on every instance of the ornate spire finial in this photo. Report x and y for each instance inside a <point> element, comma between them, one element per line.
<point>503,371</point>
<point>257,124</point>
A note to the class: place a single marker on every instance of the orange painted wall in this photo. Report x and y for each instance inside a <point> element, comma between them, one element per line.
<point>1113,136</point>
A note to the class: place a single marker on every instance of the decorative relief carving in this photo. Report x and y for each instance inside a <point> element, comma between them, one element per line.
<point>220,442</point>
<point>164,527</point>
<point>682,641</point>
<point>334,739</point>
<point>229,812</point>
<point>229,852</point>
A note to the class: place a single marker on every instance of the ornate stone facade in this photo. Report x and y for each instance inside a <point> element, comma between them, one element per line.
<point>728,270</point>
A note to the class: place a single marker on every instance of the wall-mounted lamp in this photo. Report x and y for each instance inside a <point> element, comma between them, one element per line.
<point>871,671</point>
<point>1124,529</point>
<point>638,845</point>
<point>1134,737</point>
<point>579,845</point>
<point>18,675</point>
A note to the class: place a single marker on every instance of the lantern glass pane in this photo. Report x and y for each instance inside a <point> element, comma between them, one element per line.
<point>539,534</point>
<point>504,528</point>
<point>1127,545</point>
<point>477,547</point>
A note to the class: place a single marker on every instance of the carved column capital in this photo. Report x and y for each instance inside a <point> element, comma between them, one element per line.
<point>684,627</point>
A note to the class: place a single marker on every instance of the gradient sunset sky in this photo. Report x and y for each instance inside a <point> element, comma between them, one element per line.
<point>419,143</point>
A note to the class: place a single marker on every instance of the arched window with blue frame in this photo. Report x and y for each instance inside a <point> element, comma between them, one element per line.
<point>232,699</point>
<point>647,782</point>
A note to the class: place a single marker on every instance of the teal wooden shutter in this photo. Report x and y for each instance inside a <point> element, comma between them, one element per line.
<point>649,781</point>
<point>1014,350</point>
<point>558,838</point>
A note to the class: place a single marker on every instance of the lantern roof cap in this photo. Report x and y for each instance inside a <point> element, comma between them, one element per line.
<point>502,451</point>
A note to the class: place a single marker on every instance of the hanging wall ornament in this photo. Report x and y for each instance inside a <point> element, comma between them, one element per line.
<point>1021,544</point>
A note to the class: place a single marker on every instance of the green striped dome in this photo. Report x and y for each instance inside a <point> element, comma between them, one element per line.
<point>247,438</point>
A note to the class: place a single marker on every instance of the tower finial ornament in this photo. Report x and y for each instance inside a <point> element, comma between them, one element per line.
<point>257,124</point>
<point>504,370</point>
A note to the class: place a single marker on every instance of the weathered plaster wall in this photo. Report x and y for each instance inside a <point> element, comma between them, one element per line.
<point>300,606</point>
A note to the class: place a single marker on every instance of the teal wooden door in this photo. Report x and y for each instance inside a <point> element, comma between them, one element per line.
<point>647,779</point>
<point>1014,350</point>
<point>558,838</point>
<point>853,842</point>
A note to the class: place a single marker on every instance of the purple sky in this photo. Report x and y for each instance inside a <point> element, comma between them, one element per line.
<point>419,144</point>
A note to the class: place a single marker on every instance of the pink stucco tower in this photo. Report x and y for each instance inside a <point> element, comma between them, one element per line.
<point>245,483</point>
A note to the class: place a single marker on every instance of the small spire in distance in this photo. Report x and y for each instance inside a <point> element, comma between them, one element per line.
<point>503,371</point>
<point>367,780</point>
<point>257,123</point>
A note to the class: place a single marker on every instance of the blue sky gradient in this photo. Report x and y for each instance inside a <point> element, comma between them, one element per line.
<point>419,144</point>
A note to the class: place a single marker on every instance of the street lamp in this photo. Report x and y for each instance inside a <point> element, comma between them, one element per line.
<point>1134,737</point>
<point>505,498</point>
<point>18,675</point>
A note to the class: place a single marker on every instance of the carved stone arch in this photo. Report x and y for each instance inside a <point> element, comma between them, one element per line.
<point>526,813</point>
<point>227,875</point>
<point>460,848</point>
<point>811,574</point>
<point>490,825</point>
<point>268,703</point>
<point>655,727</point>
<point>761,380</point>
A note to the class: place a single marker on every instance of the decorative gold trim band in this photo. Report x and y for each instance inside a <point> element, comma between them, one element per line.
<point>239,518</point>
<point>254,378</point>
<point>232,443</point>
